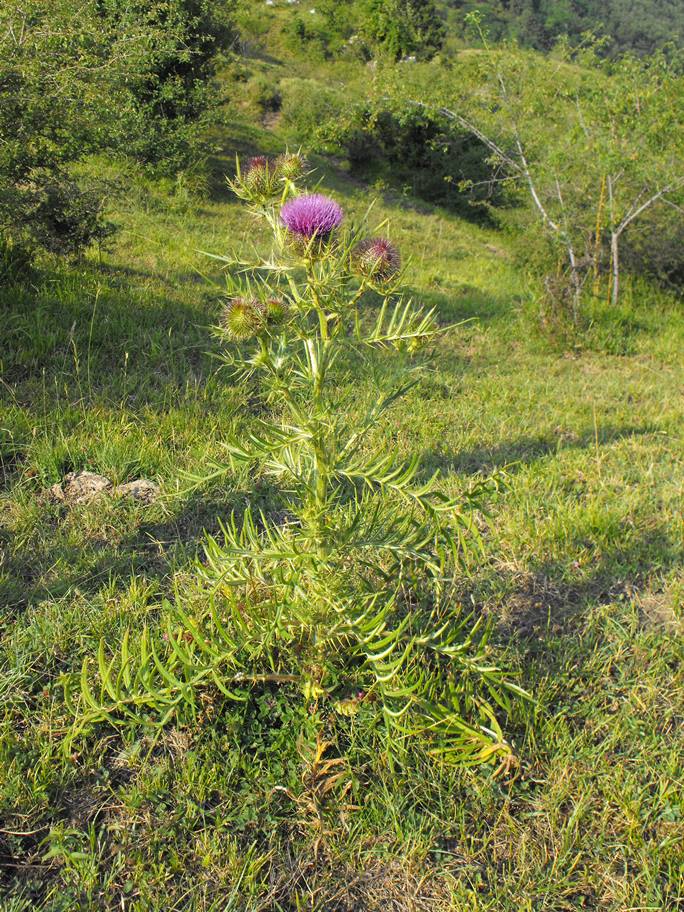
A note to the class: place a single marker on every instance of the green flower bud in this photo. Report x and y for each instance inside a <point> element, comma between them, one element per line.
<point>276,310</point>
<point>290,166</point>
<point>243,318</point>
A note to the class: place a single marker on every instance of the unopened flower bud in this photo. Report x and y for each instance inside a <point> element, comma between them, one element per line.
<point>257,174</point>
<point>243,318</point>
<point>377,259</point>
<point>290,165</point>
<point>276,309</point>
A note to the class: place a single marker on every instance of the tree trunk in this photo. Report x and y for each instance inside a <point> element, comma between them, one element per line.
<point>576,279</point>
<point>615,263</point>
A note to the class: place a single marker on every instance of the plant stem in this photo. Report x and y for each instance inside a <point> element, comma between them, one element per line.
<point>318,359</point>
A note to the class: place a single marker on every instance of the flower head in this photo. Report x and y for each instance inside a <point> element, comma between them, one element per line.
<point>257,175</point>
<point>376,258</point>
<point>312,215</point>
<point>255,164</point>
<point>290,165</point>
<point>276,309</point>
<point>243,318</point>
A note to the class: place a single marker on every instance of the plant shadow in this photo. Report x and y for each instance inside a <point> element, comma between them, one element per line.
<point>81,339</point>
<point>513,454</point>
<point>151,549</point>
<point>551,600</point>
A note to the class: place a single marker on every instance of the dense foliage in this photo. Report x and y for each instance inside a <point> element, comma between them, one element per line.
<point>82,76</point>
<point>408,148</point>
<point>628,25</point>
<point>396,29</point>
<point>171,92</point>
<point>55,68</point>
<point>403,28</point>
<point>591,150</point>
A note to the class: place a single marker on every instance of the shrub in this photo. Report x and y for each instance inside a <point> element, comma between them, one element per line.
<point>59,215</point>
<point>364,28</point>
<point>264,93</point>
<point>51,85</point>
<point>343,595</point>
<point>308,107</point>
<point>170,90</point>
<point>332,31</point>
<point>403,28</point>
<point>405,145</point>
<point>416,148</point>
<point>656,247</point>
<point>79,76</point>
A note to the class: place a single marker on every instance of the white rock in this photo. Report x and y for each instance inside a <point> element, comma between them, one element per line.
<point>81,487</point>
<point>141,489</point>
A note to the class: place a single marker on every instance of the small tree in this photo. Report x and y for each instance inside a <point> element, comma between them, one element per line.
<point>592,145</point>
<point>346,591</point>
<point>404,28</point>
<point>170,90</point>
<point>54,72</point>
<point>80,76</point>
<point>632,129</point>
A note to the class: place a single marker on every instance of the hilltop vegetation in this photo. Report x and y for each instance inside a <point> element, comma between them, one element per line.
<point>577,153</point>
<point>564,438</point>
<point>402,28</point>
<point>627,25</point>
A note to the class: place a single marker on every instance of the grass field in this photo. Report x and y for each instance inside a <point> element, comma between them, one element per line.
<point>107,365</point>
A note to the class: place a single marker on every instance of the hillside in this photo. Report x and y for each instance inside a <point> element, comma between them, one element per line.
<point>628,26</point>
<point>622,25</point>
<point>108,364</point>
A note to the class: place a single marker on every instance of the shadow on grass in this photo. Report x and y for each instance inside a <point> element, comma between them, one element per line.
<point>153,549</point>
<point>527,450</point>
<point>552,599</point>
<point>80,336</point>
<point>59,564</point>
<point>467,303</point>
<point>120,275</point>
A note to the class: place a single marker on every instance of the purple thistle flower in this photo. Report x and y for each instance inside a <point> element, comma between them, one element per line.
<point>313,215</point>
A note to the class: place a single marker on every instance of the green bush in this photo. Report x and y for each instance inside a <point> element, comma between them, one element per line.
<point>403,28</point>
<point>53,83</point>
<point>406,146</point>
<point>367,28</point>
<point>132,78</point>
<point>170,92</point>
<point>264,93</point>
<point>332,31</point>
<point>656,247</point>
<point>60,215</point>
<point>416,149</point>
<point>308,107</point>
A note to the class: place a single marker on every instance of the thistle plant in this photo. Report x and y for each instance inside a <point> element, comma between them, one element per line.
<point>344,594</point>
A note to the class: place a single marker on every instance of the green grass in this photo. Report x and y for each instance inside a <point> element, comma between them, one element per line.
<point>107,365</point>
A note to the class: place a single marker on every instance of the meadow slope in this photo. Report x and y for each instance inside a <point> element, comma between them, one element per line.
<point>106,365</point>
